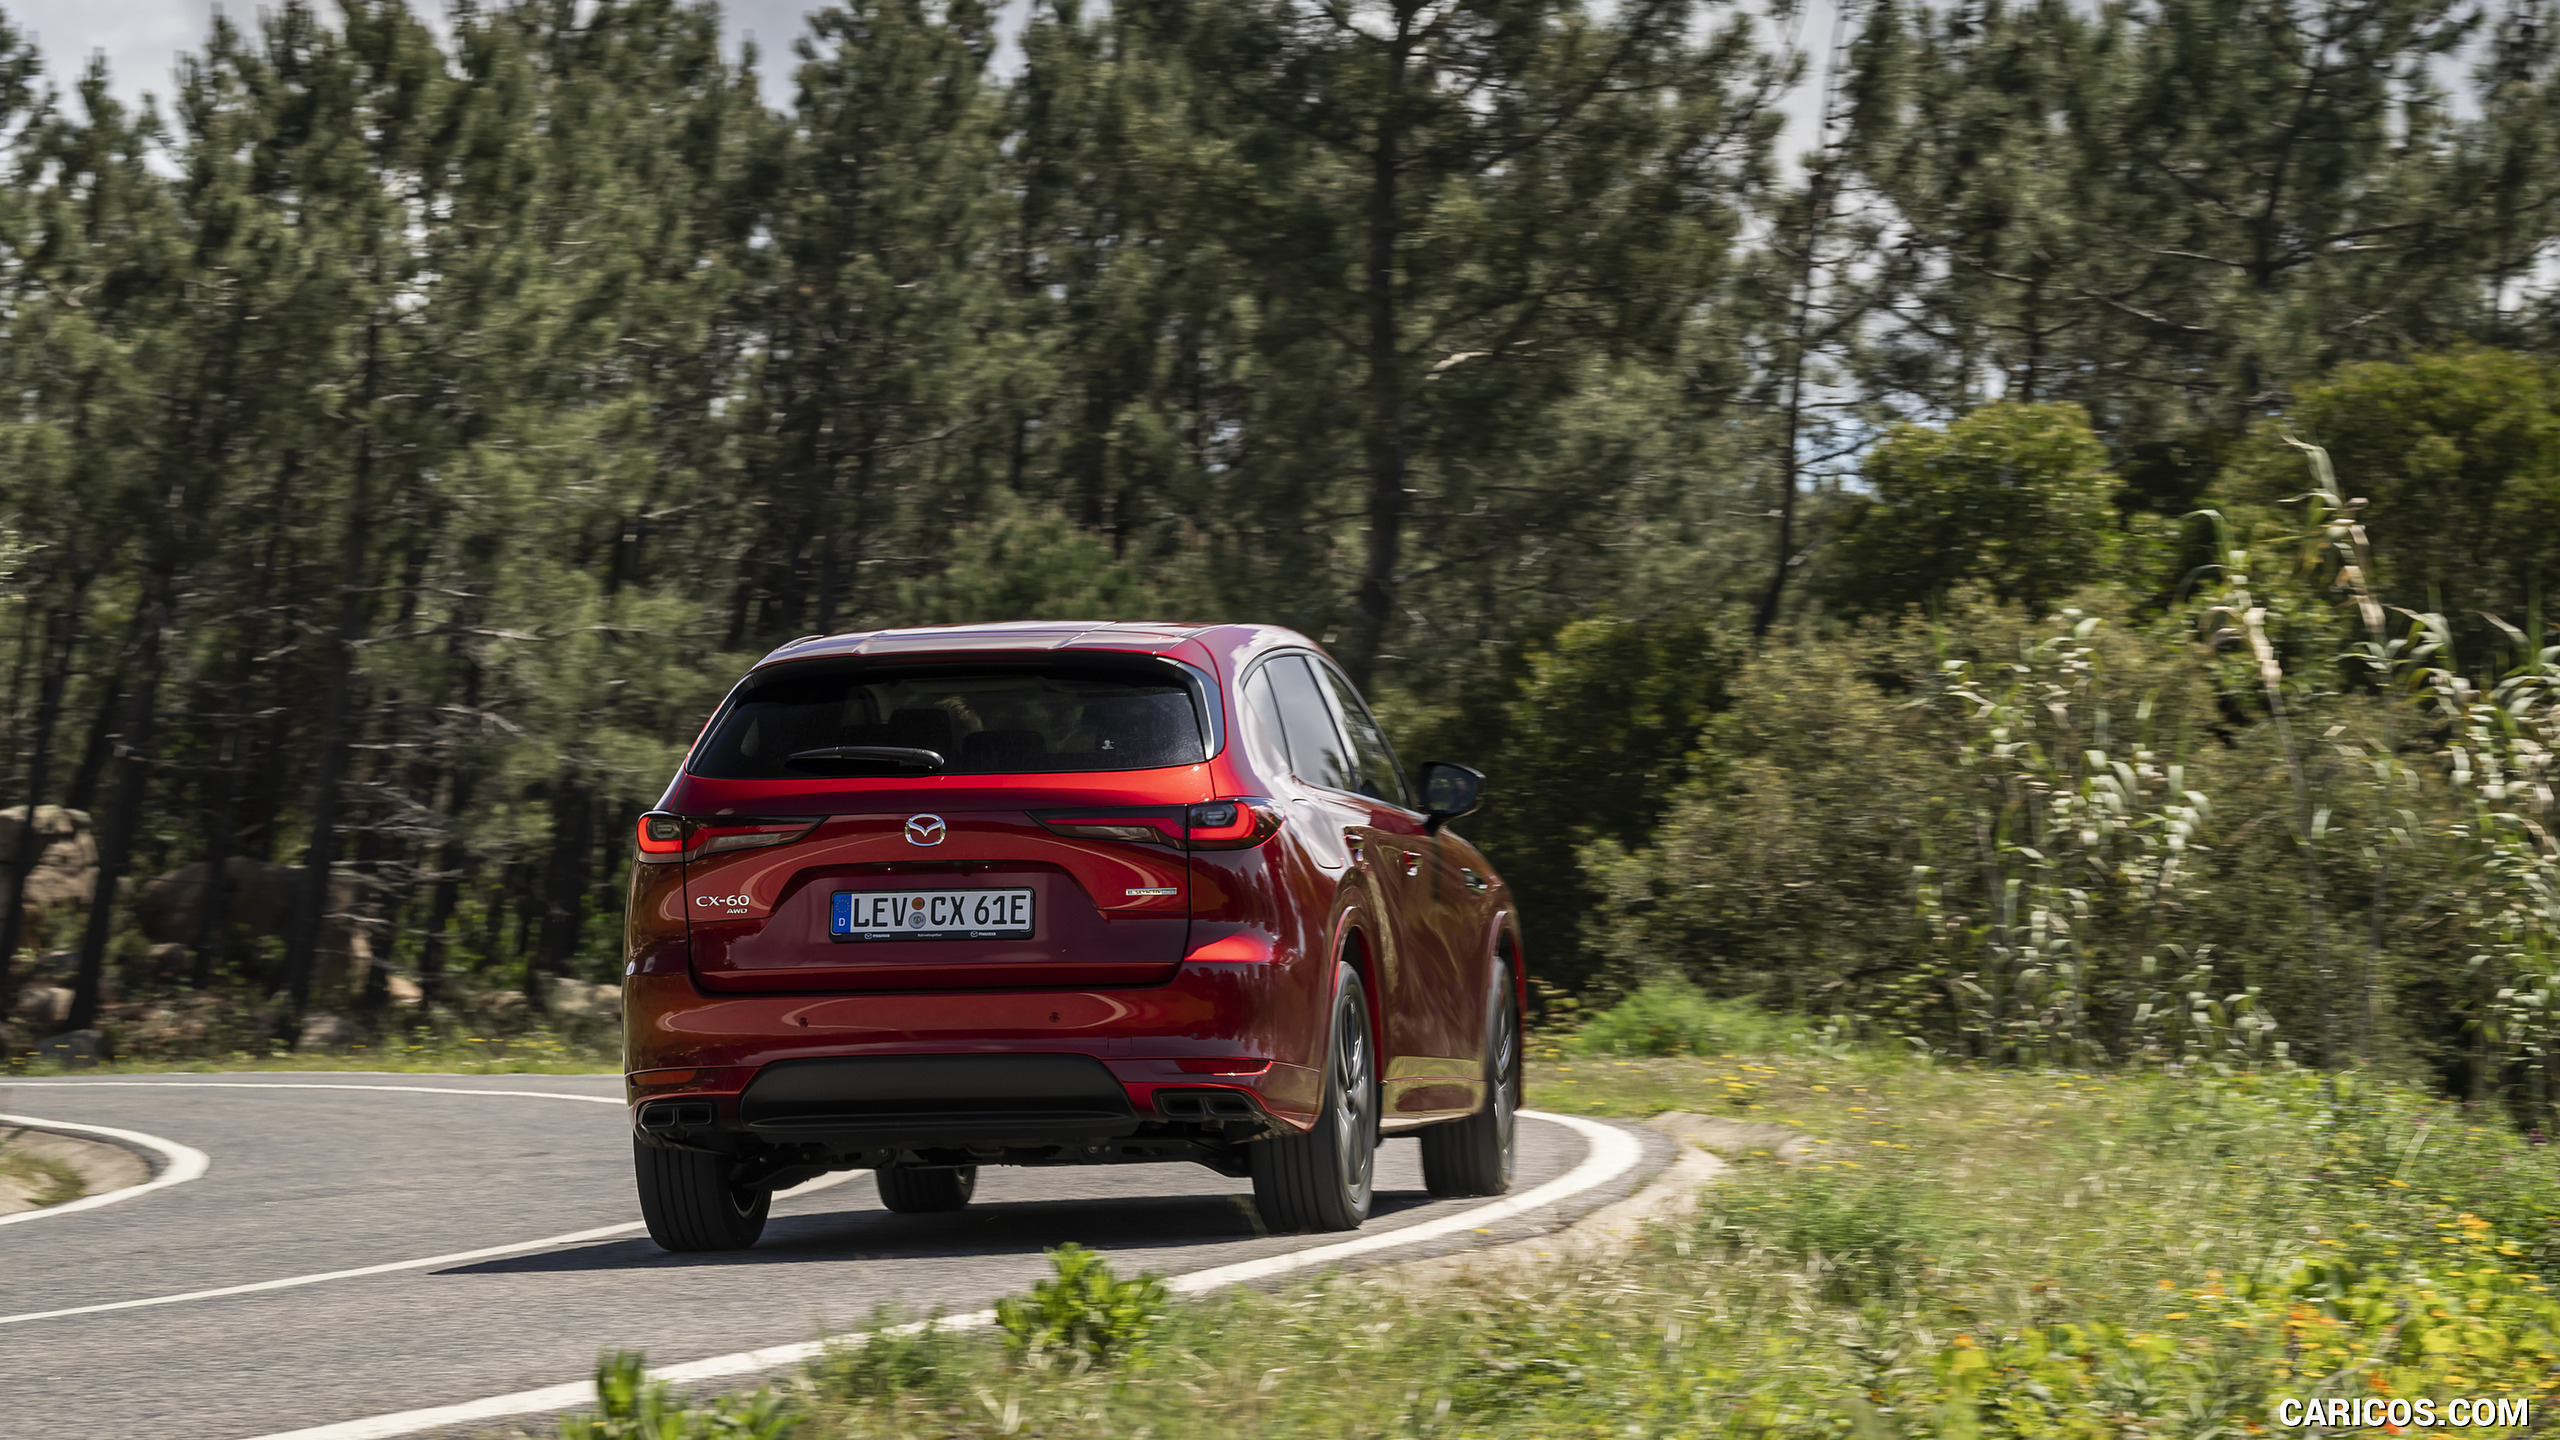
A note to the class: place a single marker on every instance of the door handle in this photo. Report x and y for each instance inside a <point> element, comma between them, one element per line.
<point>1476,884</point>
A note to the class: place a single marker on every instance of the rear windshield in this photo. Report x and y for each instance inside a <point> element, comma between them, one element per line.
<point>973,718</point>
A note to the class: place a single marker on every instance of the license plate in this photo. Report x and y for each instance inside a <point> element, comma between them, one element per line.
<point>931,914</point>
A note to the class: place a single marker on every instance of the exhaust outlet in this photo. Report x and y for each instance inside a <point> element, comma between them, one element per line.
<point>666,1117</point>
<point>1215,1105</point>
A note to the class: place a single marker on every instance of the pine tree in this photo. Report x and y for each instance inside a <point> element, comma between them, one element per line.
<point>1458,206</point>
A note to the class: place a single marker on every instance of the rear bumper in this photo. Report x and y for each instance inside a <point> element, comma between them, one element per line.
<point>1138,1036</point>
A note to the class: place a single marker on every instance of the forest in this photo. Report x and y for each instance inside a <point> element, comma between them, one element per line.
<point>2045,564</point>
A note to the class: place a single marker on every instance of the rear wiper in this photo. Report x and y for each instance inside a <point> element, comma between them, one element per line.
<point>898,756</point>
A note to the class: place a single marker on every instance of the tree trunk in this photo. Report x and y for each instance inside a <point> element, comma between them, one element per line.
<point>320,857</point>
<point>124,810</point>
<point>564,897</point>
<point>1388,497</point>
<point>1817,203</point>
<point>214,917</point>
<point>223,832</point>
<point>62,631</point>
<point>447,896</point>
<point>82,793</point>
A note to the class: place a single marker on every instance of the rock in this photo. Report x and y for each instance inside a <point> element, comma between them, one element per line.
<point>66,855</point>
<point>77,1050</point>
<point>322,1030</point>
<point>576,999</point>
<point>403,990</point>
<point>569,997</point>
<point>258,896</point>
<point>43,1005</point>
<point>170,962</point>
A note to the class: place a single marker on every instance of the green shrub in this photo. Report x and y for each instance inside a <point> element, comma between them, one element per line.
<point>1085,1310</point>
<point>1661,1017</point>
<point>1862,1235</point>
<point>893,1358</point>
<point>631,1406</point>
<point>2017,498</point>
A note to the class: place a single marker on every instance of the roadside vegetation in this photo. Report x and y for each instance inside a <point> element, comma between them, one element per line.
<point>1973,1250</point>
<point>422,1051</point>
<point>34,1179</point>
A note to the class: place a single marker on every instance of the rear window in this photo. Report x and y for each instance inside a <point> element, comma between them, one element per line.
<point>971,718</point>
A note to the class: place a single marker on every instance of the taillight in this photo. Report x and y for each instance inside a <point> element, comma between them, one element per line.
<point>661,838</point>
<point>1217,825</point>
<point>1138,825</point>
<point>1238,824</point>
<point>666,838</point>
<point>712,837</point>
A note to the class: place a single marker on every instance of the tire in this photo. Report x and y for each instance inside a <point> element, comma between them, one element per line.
<point>1325,1179</point>
<point>690,1204</point>
<point>1477,1155</point>
<point>926,1192</point>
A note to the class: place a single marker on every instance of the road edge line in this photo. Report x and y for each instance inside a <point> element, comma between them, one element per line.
<point>177,1164</point>
<point>388,1267</point>
<point>1611,1152</point>
<point>304,1085</point>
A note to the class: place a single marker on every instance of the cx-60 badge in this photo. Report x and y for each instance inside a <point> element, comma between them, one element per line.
<point>924,829</point>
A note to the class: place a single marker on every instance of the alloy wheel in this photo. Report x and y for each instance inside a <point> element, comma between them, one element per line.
<point>1351,1102</point>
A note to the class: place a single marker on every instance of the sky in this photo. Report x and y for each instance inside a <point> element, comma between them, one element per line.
<point>141,40</point>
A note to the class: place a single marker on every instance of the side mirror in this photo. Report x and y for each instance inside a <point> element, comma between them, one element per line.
<point>1449,792</point>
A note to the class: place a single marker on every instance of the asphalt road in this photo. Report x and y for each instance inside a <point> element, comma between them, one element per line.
<point>308,1181</point>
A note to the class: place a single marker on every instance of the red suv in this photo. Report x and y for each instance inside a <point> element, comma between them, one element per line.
<point>1060,894</point>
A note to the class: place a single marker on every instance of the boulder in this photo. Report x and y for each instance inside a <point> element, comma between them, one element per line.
<point>258,896</point>
<point>77,1050</point>
<point>66,860</point>
<point>322,1030</point>
<point>576,999</point>
<point>43,1005</point>
<point>403,990</point>
<point>169,962</point>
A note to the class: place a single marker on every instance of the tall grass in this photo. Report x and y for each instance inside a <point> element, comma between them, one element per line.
<point>1974,1251</point>
<point>2262,819</point>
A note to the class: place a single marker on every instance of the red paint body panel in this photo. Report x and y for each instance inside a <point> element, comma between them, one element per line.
<point>1089,929</point>
<point>731,966</point>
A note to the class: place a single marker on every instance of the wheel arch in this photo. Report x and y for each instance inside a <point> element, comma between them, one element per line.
<point>1355,949</point>
<point>1504,946</point>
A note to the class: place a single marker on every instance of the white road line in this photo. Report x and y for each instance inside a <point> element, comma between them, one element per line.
<point>178,1165</point>
<point>1613,1153</point>
<point>309,1085</point>
<point>600,1232</point>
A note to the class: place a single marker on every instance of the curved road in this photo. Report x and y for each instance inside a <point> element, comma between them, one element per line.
<point>313,1174</point>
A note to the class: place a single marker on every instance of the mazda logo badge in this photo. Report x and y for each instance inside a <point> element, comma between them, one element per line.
<point>924,830</point>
